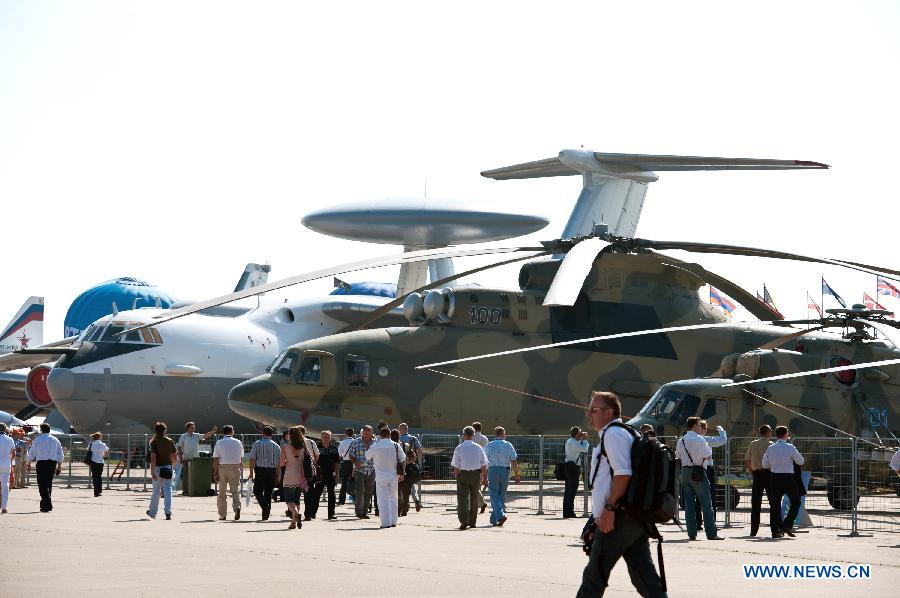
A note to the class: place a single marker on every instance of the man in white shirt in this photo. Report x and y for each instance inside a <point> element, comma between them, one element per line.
<point>779,458</point>
<point>47,454</point>
<point>99,453</point>
<point>228,469</point>
<point>7,456</point>
<point>576,447</point>
<point>346,466</point>
<point>386,455</point>
<point>618,535</point>
<point>188,447</point>
<point>720,439</point>
<point>693,452</point>
<point>470,469</point>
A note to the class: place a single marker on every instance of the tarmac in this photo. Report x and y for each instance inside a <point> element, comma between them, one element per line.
<point>109,544</point>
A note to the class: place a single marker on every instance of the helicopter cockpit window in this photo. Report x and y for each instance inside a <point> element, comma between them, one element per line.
<point>673,406</point>
<point>664,403</point>
<point>310,371</point>
<point>286,365</point>
<point>357,369</point>
<point>685,409</point>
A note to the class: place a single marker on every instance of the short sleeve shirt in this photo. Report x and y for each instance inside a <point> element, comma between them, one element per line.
<point>617,458</point>
<point>500,453</point>
<point>755,452</point>
<point>7,444</point>
<point>98,447</point>
<point>164,447</point>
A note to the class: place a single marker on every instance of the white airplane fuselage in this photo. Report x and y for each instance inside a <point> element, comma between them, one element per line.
<point>183,370</point>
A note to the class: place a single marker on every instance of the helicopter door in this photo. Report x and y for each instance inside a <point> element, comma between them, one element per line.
<point>715,412</point>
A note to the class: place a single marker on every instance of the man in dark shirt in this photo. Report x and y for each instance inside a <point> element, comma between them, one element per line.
<point>162,459</point>
<point>329,461</point>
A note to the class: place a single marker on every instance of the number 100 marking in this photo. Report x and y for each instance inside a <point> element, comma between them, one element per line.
<point>482,316</point>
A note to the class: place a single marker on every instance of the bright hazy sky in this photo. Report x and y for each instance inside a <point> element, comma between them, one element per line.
<point>176,141</point>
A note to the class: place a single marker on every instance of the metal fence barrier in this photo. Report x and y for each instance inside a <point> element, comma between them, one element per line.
<point>849,484</point>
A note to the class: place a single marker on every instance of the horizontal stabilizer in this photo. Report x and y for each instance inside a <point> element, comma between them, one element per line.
<point>614,185</point>
<point>572,162</point>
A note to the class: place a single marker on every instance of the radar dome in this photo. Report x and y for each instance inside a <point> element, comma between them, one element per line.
<point>96,302</point>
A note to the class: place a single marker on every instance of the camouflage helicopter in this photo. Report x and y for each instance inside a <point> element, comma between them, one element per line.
<point>613,314</point>
<point>821,387</point>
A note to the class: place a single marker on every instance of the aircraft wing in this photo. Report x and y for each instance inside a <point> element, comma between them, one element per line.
<point>28,358</point>
<point>12,385</point>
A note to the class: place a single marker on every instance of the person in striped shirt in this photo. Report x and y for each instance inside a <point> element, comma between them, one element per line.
<point>264,457</point>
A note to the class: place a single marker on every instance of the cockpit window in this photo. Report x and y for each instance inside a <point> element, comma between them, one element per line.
<point>110,335</point>
<point>133,336</point>
<point>672,406</point>
<point>286,365</point>
<point>357,369</point>
<point>310,371</point>
<point>94,335</point>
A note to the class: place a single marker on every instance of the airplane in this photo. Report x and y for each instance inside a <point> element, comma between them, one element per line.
<point>127,371</point>
<point>24,392</point>
<point>365,375</point>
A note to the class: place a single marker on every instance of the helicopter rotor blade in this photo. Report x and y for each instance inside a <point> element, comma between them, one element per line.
<point>412,256</point>
<point>772,344</point>
<point>753,305</point>
<point>887,331</point>
<point>573,271</point>
<point>752,252</point>
<point>841,368</point>
<point>387,307</point>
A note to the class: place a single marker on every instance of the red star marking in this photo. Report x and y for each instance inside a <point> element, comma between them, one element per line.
<point>24,341</point>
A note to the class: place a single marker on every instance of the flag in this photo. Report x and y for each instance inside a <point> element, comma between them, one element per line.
<point>717,298</point>
<point>886,288</point>
<point>769,300</point>
<point>871,303</point>
<point>811,304</point>
<point>759,297</point>
<point>827,290</point>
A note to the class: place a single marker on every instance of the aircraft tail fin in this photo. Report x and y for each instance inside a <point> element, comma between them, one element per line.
<point>615,184</point>
<point>254,275</point>
<point>26,329</point>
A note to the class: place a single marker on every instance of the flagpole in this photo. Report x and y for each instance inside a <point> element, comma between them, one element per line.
<point>821,291</point>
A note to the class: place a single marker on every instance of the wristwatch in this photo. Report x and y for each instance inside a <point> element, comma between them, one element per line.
<point>610,507</point>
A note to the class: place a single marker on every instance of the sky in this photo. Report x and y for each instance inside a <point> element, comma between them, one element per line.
<point>175,142</point>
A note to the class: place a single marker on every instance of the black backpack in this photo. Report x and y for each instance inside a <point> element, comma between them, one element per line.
<point>650,496</point>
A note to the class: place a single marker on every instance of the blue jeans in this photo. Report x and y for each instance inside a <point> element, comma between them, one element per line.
<point>698,491</point>
<point>176,479</point>
<point>498,480</point>
<point>166,486</point>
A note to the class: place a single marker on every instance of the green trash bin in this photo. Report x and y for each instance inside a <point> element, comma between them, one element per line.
<point>198,476</point>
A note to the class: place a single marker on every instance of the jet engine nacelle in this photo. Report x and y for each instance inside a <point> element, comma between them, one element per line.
<point>36,387</point>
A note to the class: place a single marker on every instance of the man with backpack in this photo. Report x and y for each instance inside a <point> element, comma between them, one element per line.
<point>619,533</point>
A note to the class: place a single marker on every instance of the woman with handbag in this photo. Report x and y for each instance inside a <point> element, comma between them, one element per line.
<point>298,470</point>
<point>97,453</point>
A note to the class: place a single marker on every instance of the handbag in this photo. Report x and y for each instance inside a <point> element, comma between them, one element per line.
<point>87,455</point>
<point>560,471</point>
<point>697,472</point>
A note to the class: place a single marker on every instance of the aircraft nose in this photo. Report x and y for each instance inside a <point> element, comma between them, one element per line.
<point>254,399</point>
<point>60,383</point>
